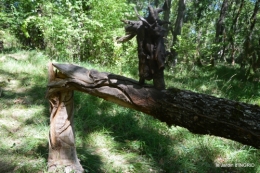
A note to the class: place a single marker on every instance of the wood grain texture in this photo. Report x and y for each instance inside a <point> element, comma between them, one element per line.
<point>62,149</point>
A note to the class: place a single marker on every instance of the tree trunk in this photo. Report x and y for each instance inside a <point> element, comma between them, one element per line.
<point>220,30</point>
<point>199,113</point>
<point>166,17</point>
<point>177,29</point>
<point>156,3</point>
<point>248,48</point>
<point>62,151</point>
<point>233,30</point>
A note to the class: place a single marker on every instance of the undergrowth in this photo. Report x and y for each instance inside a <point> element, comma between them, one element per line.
<point>110,138</point>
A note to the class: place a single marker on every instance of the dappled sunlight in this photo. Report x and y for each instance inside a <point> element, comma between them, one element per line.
<point>22,114</point>
<point>203,152</point>
<point>23,122</point>
<point>216,48</point>
<point>18,124</point>
<point>22,162</point>
<point>114,157</point>
<point>143,142</point>
<point>232,158</point>
<point>110,138</point>
<point>17,68</point>
<point>15,56</point>
<point>103,145</point>
<point>20,140</point>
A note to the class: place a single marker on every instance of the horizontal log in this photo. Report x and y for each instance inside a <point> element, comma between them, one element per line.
<point>199,113</point>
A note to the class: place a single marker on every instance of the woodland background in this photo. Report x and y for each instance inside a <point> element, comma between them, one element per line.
<point>200,32</point>
<point>214,48</point>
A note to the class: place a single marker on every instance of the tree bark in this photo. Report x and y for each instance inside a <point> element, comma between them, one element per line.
<point>166,17</point>
<point>199,113</point>
<point>233,29</point>
<point>220,28</point>
<point>248,48</point>
<point>220,32</point>
<point>177,29</point>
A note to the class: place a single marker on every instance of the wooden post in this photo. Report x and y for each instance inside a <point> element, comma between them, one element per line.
<point>62,149</point>
<point>158,80</point>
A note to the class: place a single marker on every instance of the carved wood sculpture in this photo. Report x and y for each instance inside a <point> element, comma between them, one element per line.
<point>151,50</point>
<point>62,151</point>
<point>199,113</point>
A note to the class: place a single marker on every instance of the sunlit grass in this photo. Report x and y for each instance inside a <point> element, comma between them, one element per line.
<point>23,119</point>
<point>23,136</point>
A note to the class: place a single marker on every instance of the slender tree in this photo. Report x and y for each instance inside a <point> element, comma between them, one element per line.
<point>177,29</point>
<point>233,28</point>
<point>248,48</point>
<point>156,3</point>
<point>220,30</point>
<point>199,8</point>
<point>166,17</point>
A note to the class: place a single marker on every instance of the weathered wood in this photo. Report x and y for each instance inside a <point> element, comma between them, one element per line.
<point>150,44</point>
<point>199,113</point>
<point>62,151</point>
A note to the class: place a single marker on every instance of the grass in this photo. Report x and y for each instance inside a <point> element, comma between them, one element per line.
<point>110,138</point>
<point>221,81</point>
<point>23,112</point>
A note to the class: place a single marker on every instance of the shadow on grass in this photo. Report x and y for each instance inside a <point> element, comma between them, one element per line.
<point>28,100</point>
<point>148,140</point>
<point>6,167</point>
<point>34,94</point>
<point>89,161</point>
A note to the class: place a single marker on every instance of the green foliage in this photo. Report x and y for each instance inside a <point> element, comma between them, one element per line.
<point>104,25</point>
<point>87,30</point>
<point>199,30</point>
<point>185,46</point>
<point>72,30</point>
<point>84,35</point>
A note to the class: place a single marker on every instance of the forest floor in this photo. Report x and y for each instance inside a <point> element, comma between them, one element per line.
<point>111,138</point>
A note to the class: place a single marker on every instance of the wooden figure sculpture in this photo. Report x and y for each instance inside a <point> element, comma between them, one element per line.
<point>151,50</point>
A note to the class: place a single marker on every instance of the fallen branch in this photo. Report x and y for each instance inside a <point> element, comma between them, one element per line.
<point>199,113</point>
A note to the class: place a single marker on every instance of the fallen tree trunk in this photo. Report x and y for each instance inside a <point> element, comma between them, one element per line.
<point>199,113</point>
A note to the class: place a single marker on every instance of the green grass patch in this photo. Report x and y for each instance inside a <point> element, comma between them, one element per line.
<point>221,81</point>
<point>110,138</point>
